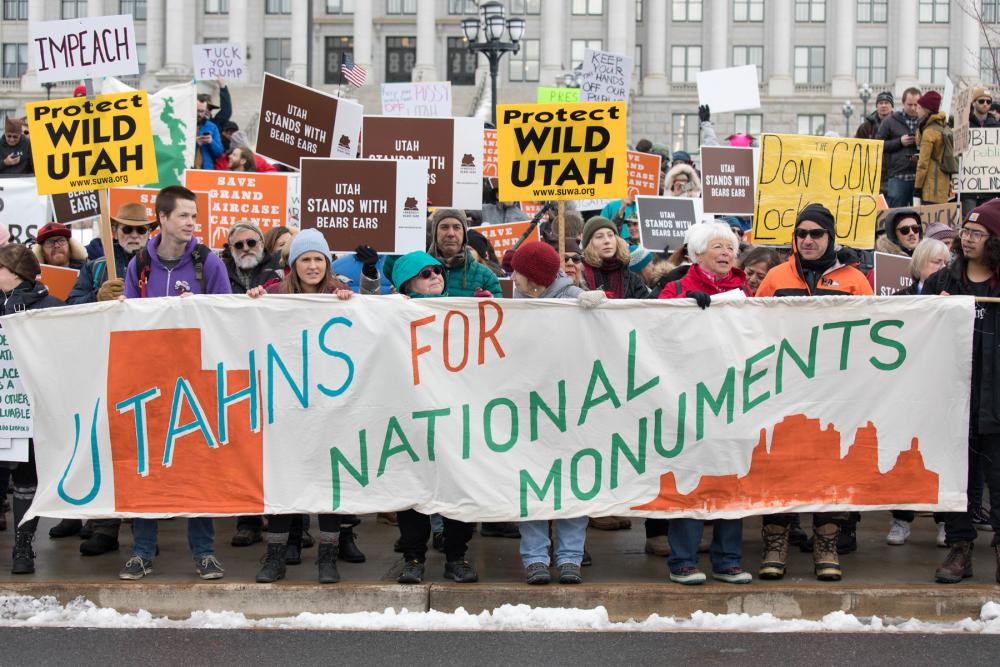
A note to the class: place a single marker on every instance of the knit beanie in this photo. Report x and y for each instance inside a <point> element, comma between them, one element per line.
<point>639,259</point>
<point>821,216</point>
<point>537,262</point>
<point>931,100</point>
<point>244,224</point>
<point>20,261</point>
<point>940,231</point>
<point>981,91</point>
<point>409,265</point>
<point>305,241</point>
<point>987,215</point>
<point>885,96</point>
<point>479,243</point>
<point>595,223</point>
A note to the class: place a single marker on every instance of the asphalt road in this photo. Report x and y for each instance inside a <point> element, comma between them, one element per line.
<point>90,646</point>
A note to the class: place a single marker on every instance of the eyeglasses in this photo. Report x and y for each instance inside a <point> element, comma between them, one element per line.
<point>134,229</point>
<point>984,100</point>
<point>59,240</point>
<point>906,231</point>
<point>250,244</point>
<point>430,271</point>
<point>973,234</point>
<point>576,259</point>
<point>814,234</point>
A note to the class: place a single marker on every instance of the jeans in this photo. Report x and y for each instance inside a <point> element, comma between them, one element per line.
<point>958,525</point>
<point>437,523</point>
<point>201,537</point>
<point>571,534</point>
<point>899,192</point>
<point>727,543</point>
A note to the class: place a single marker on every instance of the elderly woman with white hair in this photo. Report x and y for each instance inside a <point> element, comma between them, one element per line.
<point>712,247</point>
<point>929,257</point>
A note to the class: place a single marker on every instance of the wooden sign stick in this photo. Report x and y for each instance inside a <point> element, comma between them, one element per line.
<point>104,202</point>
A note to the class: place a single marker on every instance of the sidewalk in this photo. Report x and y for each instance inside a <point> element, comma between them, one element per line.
<point>879,579</point>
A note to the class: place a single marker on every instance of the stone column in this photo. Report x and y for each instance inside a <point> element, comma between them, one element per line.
<point>300,41</point>
<point>154,35</point>
<point>655,79</point>
<point>845,19</point>
<point>718,18</point>
<point>425,68</point>
<point>36,14</point>
<point>781,83</point>
<point>968,68</point>
<point>906,44</point>
<point>553,44</point>
<point>179,37</point>
<point>96,8</point>
<point>363,35</point>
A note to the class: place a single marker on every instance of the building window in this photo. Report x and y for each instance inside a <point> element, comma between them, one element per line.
<point>278,7</point>
<point>684,132</point>
<point>16,10</point>
<point>140,55</point>
<point>277,55</point>
<point>462,7</point>
<point>137,8</point>
<point>988,65</point>
<point>216,6</point>
<point>74,9</point>
<point>748,10</point>
<point>991,11</point>
<point>525,64</point>
<point>400,56</point>
<point>638,11</point>
<point>685,63</point>
<point>750,55</point>
<point>809,64</point>
<point>811,123</point>
<point>932,64</point>
<point>578,46</point>
<point>401,7</point>
<point>749,123</point>
<point>15,60</point>
<point>461,63</point>
<point>526,7</point>
<point>638,62</point>
<point>873,11</point>
<point>934,11</point>
<point>335,48</point>
<point>810,11</point>
<point>686,10</point>
<point>339,7</point>
<point>870,64</point>
<point>591,7</point>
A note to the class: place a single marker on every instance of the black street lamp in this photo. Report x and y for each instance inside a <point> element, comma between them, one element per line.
<point>492,25</point>
<point>865,92</point>
<point>49,85</point>
<point>848,110</point>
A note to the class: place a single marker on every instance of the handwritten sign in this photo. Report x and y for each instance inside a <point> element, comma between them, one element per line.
<point>606,77</point>
<point>980,164</point>
<point>416,99</point>
<point>83,48</point>
<point>960,109</point>
<point>217,61</point>
<point>15,410</point>
<point>549,95</point>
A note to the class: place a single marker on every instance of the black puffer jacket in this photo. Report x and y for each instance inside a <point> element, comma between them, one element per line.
<point>28,296</point>
<point>267,272</point>
<point>897,157</point>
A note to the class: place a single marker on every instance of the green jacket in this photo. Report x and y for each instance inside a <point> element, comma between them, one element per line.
<point>467,275</point>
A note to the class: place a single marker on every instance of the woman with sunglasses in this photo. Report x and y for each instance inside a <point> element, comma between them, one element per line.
<point>571,262</point>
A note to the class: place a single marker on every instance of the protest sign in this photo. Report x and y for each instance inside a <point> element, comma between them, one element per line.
<point>892,274</point>
<point>217,61</point>
<point>729,89</point>
<point>980,165</point>
<point>451,147</point>
<point>86,144</point>
<point>14,449</point>
<point>73,206</point>
<point>663,221</point>
<point>298,122</point>
<point>147,197</point>
<point>417,98</point>
<point>506,287</point>
<point>663,412</point>
<point>83,48</point>
<point>233,196</point>
<point>21,209</point>
<point>960,109</point>
<point>60,280</point>
<point>562,151</point>
<point>643,173</point>
<point>503,237</point>
<point>605,77</point>
<point>380,203</point>
<point>549,95</point>
<point>797,170</point>
<point>947,214</point>
<point>727,180</point>
<point>15,410</point>
<point>489,153</point>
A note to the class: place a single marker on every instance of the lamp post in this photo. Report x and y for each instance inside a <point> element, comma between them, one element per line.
<point>848,111</point>
<point>49,85</point>
<point>865,93</point>
<point>491,25</point>
<point>573,78</point>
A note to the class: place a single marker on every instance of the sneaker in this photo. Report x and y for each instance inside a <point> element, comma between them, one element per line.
<point>957,564</point>
<point>899,532</point>
<point>245,537</point>
<point>460,571</point>
<point>942,539</point>
<point>209,567</point>
<point>136,568</point>
<point>981,519</point>
<point>733,575</point>
<point>689,576</point>
<point>569,573</point>
<point>413,572</point>
<point>537,574</point>
<point>658,545</point>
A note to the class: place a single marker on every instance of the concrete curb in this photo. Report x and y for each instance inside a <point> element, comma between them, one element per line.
<point>623,601</point>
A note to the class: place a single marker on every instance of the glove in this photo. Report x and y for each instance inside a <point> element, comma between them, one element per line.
<point>591,299</point>
<point>703,300</point>
<point>482,293</point>
<point>368,258</point>
<point>111,290</point>
<point>704,113</point>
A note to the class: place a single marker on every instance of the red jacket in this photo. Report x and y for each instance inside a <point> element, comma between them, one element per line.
<point>263,166</point>
<point>698,279</point>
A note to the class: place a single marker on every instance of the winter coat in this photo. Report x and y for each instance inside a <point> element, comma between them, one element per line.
<point>94,274</point>
<point>462,274</point>
<point>260,164</point>
<point>561,288</point>
<point>267,272</point>
<point>668,277</point>
<point>989,121</point>
<point>869,126</point>
<point>77,254</point>
<point>934,185</point>
<point>896,156</point>
<point>610,210</point>
<point>29,295</point>
<point>889,243</point>
<point>694,181</point>
<point>633,287</point>
<point>349,268</point>
<point>23,168</point>
<point>698,279</point>
<point>332,286</point>
<point>839,280</point>
<point>163,281</point>
<point>212,151</point>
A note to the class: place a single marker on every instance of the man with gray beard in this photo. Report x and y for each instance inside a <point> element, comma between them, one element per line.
<point>246,261</point>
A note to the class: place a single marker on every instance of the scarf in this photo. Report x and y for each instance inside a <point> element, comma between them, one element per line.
<point>611,279</point>
<point>812,270</point>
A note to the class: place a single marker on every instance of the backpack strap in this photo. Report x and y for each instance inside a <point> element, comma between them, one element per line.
<point>678,289</point>
<point>198,256</point>
<point>100,269</point>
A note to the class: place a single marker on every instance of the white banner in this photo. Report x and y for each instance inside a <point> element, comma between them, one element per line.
<point>219,405</point>
<point>22,209</point>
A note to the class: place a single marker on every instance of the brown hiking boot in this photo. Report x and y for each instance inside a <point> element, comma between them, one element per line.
<point>957,564</point>
<point>825,559</point>
<point>772,565</point>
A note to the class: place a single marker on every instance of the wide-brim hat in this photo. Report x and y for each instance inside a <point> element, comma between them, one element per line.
<point>132,213</point>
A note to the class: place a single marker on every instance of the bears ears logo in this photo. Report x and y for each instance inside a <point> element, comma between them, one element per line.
<point>410,204</point>
<point>468,160</point>
<point>345,141</point>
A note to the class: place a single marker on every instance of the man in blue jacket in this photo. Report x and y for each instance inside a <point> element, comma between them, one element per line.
<point>209,141</point>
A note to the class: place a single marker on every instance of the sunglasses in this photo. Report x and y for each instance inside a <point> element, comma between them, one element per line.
<point>576,259</point>
<point>984,100</point>
<point>906,231</point>
<point>814,234</point>
<point>249,243</point>
<point>430,271</point>
<point>134,229</point>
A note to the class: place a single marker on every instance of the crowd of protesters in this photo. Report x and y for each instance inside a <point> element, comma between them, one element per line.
<point>601,259</point>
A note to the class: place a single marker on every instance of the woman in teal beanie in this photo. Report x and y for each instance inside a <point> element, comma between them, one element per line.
<point>418,274</point>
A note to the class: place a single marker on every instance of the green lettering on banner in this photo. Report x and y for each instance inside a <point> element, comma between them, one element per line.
<point>574,474</point>
<point>499,447</point>
<point>553,480</point>
<point>535,403</point>
<point>465,431</point>
<point>887,342</point>
<point>620,448</point>
<point>390,451</point>
<point>845,343</point>
<point>749,377</point>
<point>631,391</point>
<point>658,429</point>
<point>597,373</point>
<point>431,417</point>
<point>808,368</point>
<point>725,397</point>
<point>337,459</point>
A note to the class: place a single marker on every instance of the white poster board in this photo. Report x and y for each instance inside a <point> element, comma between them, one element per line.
<point>85,48</point>
<point>217,61</point>
<point>730,89</point>
<point>428,99</point>
<point>606,77</point>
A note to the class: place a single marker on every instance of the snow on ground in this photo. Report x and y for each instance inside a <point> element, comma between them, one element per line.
<point>25,611</point>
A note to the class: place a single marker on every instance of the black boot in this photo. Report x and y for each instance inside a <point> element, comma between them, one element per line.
<point>65,528</point>
<point>273,567</point>
<point>349,550</point>
<point>327,562</point>
<point>24,556</point>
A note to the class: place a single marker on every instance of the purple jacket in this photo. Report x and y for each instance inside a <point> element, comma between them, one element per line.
<point>163,282</point>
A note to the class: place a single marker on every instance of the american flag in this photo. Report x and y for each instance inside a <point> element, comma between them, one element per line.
<point>354,72</point>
